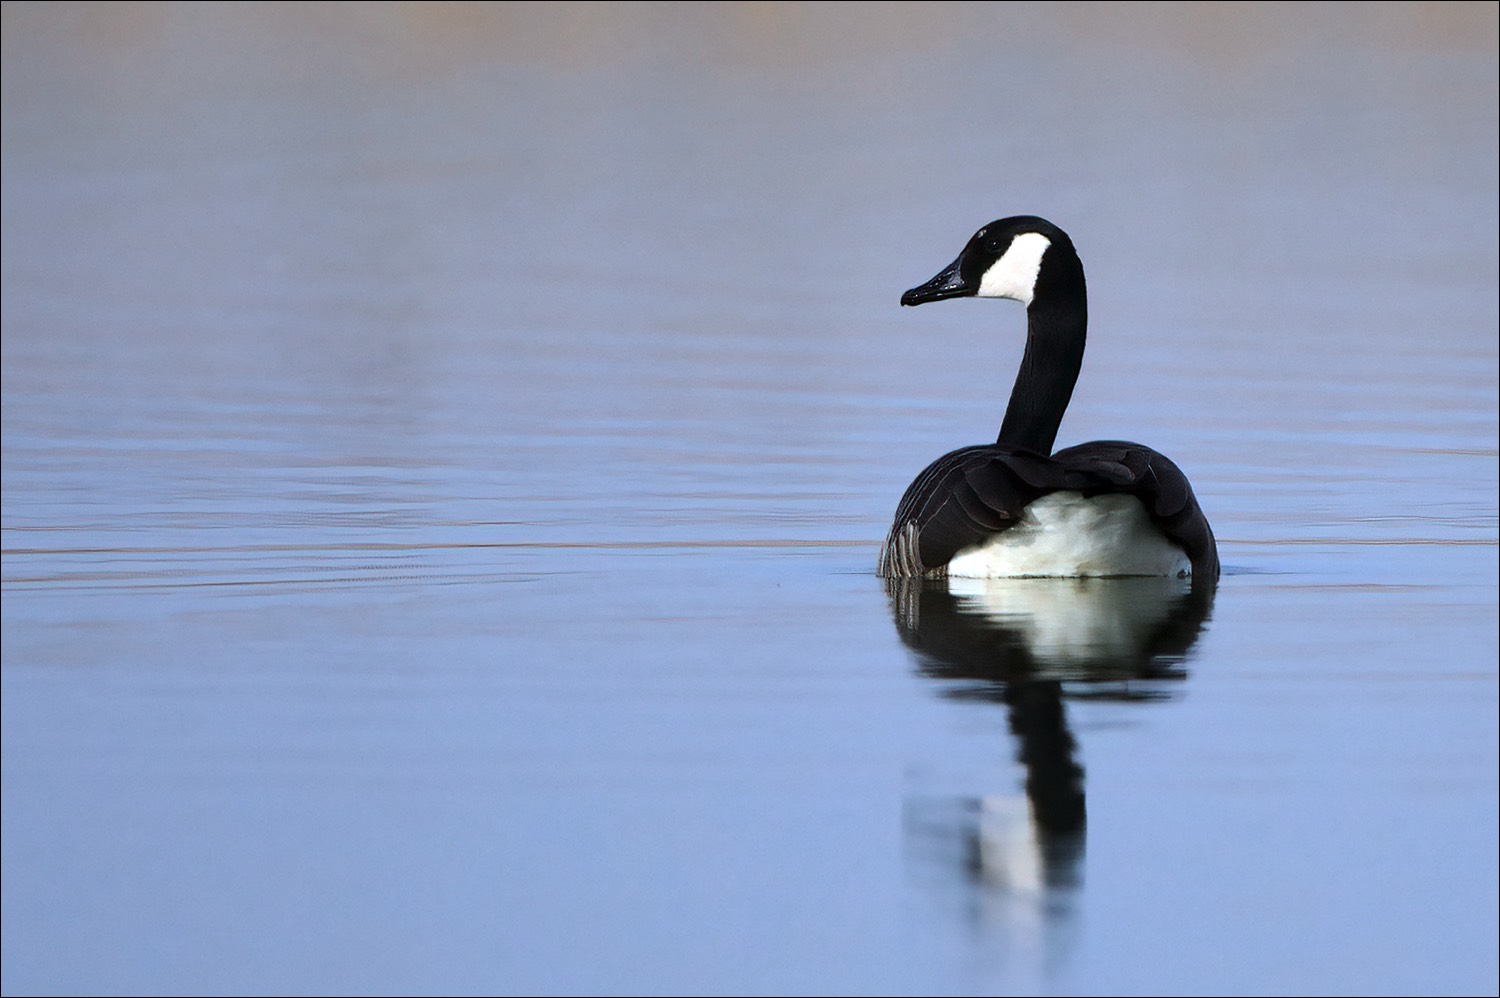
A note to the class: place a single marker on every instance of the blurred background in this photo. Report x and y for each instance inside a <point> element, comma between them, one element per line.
<point>445,448</point>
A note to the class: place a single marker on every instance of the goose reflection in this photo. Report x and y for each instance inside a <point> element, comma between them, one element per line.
<point>1031,645</point>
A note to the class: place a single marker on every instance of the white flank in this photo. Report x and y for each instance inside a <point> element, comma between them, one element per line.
<point>1014,274</point>
<point>1064,534</point>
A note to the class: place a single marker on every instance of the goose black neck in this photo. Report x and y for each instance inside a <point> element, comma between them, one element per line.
<point>1056,322</point>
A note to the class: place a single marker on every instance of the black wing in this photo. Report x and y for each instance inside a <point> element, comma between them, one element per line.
<point>974,493</point>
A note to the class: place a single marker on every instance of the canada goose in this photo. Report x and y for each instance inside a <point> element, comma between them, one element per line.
<point>1009,509</point>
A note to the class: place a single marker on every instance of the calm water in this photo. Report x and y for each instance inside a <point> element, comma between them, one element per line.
<point>445,450</point>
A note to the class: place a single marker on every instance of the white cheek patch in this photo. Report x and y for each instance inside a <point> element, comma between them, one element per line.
<point>1014,274</point>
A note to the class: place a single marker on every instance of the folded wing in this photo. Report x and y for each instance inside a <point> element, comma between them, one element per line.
<point>968,496</point>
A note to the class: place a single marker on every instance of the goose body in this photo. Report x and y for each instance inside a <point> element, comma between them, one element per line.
<point>1014,508</point>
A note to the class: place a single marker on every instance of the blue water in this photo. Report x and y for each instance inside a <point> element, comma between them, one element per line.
<point>445,450</point>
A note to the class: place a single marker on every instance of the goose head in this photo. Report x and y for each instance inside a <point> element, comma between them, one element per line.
<point>1020,258</point>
